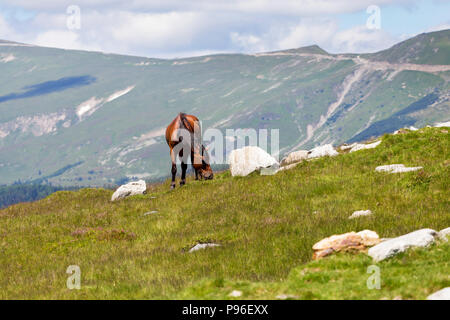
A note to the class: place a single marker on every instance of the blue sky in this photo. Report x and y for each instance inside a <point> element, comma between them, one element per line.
<point>170,28</point>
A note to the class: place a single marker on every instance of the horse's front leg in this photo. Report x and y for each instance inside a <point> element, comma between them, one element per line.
<point>194,166</point>
<point>173,157</point>
<point>196,174</point>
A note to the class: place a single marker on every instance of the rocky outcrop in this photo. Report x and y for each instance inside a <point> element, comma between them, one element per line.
<point>361,146</point>
<point>295,157</point>
<point>391,247</point>
<point>322,151</point>
<point>396,168</point>
<point>248,159</point>
<point>351,241</point>
<point>129,189</point>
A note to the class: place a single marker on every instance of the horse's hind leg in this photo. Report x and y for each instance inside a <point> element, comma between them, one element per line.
<point>173,157</point>
<point>183,173</point>
<point>183,168</point>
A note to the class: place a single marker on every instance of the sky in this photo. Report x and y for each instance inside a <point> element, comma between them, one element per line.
<point>171,28</point>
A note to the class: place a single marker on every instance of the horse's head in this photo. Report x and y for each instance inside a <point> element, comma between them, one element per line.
<point>206,171</point>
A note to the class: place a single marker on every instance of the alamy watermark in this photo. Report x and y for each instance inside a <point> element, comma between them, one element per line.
<point>373,22</point>
<point>73,281</point>
<point>73,21</point>
<point>374,281</point>
<point>219,146</point>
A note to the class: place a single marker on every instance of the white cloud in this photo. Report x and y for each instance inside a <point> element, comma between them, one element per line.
<point>439,27</point>
<point>309,32</point>
<point>360,39</point>
<point>170,28</point>
<point>64,39</point>
<point>286,7</point>
<point>249,42</point>
<point>5,30</point>
<point>323,32</point>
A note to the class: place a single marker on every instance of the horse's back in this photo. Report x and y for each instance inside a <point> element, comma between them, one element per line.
<point>176,123</point>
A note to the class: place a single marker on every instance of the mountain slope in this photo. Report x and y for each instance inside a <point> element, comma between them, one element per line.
<point>266,226</point>
<point>103,115</point>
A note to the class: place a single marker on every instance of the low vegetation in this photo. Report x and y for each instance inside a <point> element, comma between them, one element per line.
<point>266,226</point>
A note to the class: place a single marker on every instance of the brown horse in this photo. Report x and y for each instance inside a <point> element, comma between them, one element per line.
<point>184,134</point>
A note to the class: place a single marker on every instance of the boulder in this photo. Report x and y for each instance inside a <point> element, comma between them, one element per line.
<point>444,234</point>
<point>350,241</point>
<point>361,146</point>
<point>203,246</point>
<point>396,168</point>
<point>443,294</point>
<point>129,189</point>
<point>322,151</point>
<point>391,247</point>
<point>248,159</point>
<point>294,157</point>
<point>360,213</point>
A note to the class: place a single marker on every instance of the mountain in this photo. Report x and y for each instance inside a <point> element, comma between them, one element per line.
<point>73,117</point>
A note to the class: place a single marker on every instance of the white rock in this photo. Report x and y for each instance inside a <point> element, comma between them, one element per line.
<point>248,159</point>
<point>442,124</point>
<point>443,294</point>
<point>413,128</point>
<point>150,212</point>
<point>203,246</point>
<point>294,157</point>
<point>129,189</point>
<point>360,213</point>
<point>444,233</point>
<point>235,293</point>
<point>396,168</point>
<point>391,247</point>
<point>361,146</point>
<point>322,151</point>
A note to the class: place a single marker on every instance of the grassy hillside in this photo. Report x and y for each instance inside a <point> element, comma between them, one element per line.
<point>426,48</point>
<point>266,226</point>
<point>89,118</point>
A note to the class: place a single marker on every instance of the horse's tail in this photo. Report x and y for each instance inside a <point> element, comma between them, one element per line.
<point>185,122</point>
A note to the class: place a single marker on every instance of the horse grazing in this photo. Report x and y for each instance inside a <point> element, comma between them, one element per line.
<point>183,135</point>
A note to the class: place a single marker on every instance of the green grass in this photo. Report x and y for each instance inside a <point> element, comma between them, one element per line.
<point>266,226</point>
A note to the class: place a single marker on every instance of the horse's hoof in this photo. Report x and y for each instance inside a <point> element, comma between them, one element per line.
<point>182,183</point>
<point>172,186</point>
